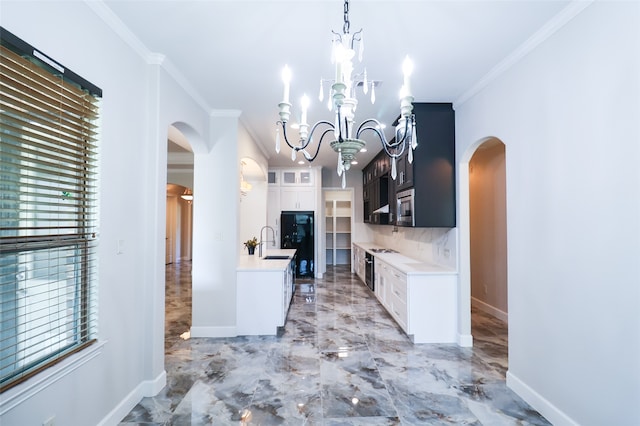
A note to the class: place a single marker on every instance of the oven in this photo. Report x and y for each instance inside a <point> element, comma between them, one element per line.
<point>405,208</point>
<point>369,276</point>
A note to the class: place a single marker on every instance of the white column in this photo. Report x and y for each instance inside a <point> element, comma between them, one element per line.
<point>215,224</point>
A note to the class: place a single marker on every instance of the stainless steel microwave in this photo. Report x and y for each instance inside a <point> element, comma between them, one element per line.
<point>405,208</point>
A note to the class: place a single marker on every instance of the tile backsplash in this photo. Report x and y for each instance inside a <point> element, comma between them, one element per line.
<point>435,245</point>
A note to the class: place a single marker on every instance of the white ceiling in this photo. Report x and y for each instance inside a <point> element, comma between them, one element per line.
<point>231,52</point>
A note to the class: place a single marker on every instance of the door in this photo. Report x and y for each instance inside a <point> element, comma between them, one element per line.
<point>171,224</point>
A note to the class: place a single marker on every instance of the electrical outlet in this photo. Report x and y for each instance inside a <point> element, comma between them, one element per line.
<point>486,289</point>
<point>51,421</point>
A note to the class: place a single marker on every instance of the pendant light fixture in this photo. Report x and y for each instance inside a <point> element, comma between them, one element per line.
<point>342,101</point>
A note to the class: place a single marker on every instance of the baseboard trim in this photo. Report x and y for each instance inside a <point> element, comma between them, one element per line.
<point>213,332</point>
<point>465,340</point>
<point>146,388</point>
<point>538,402</point>
<point>491,310</point>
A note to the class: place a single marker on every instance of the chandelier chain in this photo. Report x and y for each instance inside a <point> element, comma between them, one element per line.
<point>345,27</point>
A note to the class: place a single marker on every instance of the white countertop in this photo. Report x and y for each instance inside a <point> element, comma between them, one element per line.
<point>255,263</point>
<point>405,263</point>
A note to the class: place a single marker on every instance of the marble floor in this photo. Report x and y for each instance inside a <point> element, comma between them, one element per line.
<point>340,361</point>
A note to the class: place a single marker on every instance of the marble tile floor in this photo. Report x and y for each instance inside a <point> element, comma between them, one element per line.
<point>341,360</point>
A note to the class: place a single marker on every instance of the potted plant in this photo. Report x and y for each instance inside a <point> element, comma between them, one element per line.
<point>251,245</point>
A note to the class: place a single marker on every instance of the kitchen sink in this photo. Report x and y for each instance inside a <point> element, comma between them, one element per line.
<point>276,257</point>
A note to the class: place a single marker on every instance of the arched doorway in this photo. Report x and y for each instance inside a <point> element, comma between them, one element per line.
<point>179,223</point>
<point>488,229</point>
<point>464,229</point>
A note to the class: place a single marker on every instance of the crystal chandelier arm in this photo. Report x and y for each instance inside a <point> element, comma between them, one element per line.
<point>284,133</point>
<point>388,146</point>
<point>304,143</point>
<point>357,36</point>
<point>374,128</point>
<point>311,158</point>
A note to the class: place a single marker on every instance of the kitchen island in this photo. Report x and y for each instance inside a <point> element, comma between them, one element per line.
<point>421,297</point>
<point>264,291</point>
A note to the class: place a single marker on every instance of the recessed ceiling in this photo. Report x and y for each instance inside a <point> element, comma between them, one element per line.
<point>231,52</point>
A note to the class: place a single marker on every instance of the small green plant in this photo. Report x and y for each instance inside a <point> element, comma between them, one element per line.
<point>251,243</point>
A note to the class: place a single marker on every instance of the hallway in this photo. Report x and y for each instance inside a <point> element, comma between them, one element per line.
<point>340,361</point>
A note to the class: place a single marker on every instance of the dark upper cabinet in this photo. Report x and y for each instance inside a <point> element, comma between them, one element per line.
<point>376,189</point>
<point>404,178</point>
<point>432,173</point>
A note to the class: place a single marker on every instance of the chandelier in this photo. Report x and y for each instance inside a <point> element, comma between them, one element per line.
<point>343,140</point>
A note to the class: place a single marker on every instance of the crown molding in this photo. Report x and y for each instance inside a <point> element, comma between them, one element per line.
<point>151,58</point>
<point>546,31</point>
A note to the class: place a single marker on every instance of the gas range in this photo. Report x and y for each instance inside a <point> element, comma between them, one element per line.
<point>383,250</point>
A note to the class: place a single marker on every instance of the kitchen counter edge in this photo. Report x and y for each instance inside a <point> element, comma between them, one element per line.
<point>404,263</point>
<point>254,263</point>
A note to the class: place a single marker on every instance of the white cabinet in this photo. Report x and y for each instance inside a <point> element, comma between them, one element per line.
<point>296,198</point>
<point>297,189</point>
<point>273,177</point>
<point>358,264</point>
<point>263,300</point>
<point>338,227</point>
<point>296,177</point>
<point>423,305</point>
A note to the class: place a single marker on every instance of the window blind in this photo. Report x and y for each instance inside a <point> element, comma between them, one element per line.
<point>48,211</point>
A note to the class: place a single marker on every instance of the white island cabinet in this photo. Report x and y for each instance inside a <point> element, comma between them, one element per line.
<point>264,291</point>
<point>421,297</point>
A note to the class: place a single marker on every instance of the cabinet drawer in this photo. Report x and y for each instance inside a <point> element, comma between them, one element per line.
<point>400,287</point>
<point>399,311</point>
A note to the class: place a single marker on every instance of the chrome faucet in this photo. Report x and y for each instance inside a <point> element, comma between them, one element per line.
<point>273,242</point>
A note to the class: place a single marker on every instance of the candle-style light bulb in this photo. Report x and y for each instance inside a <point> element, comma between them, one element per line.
<point>304,104</point>
<point>286,79</point>
<point>365,83</point>
<point>407,70</point>
<point>340,54</point>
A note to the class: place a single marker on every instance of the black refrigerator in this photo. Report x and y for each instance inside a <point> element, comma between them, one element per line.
<point>296,231</point>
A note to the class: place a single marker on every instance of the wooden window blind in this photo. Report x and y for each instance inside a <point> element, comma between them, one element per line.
<point>48,211</point>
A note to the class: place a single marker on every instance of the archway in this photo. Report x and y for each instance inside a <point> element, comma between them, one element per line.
<point>488,229</point>
<point>179,230</point>
<point>493,157</point>
<point>179,223</point>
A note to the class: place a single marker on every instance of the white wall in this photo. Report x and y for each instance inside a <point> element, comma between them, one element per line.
<point>568,114</point>
<point>140,101</point>
<point>253,205</point>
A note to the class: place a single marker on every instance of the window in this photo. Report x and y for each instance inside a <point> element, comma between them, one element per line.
<point>48,211</point>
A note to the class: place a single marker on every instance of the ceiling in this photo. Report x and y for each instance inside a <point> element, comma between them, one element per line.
<point>231,52</point>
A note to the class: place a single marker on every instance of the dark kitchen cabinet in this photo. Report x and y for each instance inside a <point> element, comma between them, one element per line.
<point>376,189</point>
<point>404,178</point>
<point>366,203</point>
<point>431,175</point>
